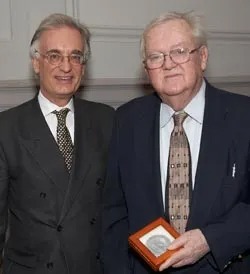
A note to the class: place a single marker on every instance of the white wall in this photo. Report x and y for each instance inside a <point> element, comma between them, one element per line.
<point>114,72</point>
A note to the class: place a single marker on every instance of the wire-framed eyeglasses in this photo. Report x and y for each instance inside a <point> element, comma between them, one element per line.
<point>178,56</point>
<point>56,58</point>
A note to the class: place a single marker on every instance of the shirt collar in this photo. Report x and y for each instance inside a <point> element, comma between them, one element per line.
<point>47,106</point>
<point>195,108</point>
<point>166,112</point>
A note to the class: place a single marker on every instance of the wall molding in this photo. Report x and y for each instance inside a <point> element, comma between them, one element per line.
<point>111,91</point>
<point>121,33</point>
<point>126,33</point>
<point>229,36</point>
<point>72,8</point>
<point>109,82</point>
<point>69,7</point>
<point>5,20</point>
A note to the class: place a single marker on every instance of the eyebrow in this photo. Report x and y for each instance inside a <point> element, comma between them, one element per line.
<point>74,51</point>
<point>174,47</point>
<point>179,45</point>
<point>53,51</point>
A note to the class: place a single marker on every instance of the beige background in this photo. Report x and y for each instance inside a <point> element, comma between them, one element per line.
<point>114,73</point>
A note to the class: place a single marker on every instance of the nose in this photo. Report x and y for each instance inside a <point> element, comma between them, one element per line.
<point>168,63</point>
<point>66,65</point>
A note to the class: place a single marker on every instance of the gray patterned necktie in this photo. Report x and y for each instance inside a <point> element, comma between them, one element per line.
<point>63,137</point>
<point>179,176</point>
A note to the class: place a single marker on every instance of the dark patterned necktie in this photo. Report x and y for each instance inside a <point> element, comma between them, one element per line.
<point>63,137</point>
<point>179,177</point>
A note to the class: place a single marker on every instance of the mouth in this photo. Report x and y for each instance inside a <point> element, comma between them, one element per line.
<point>172,76</point>
<point>64,78</point>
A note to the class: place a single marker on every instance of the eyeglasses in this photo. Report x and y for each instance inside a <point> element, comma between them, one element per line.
<point>178,56</point>
<point>56,58</point>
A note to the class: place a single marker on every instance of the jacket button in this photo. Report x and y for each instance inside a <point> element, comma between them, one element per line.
<point>50,265</point>
<point>43,195</point>
<point>93,221</point>
<point>59,228</point>
<point>99,181</point>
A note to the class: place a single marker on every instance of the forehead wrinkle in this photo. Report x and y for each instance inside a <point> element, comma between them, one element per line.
<point>63,40</point>
<point>169,35</point>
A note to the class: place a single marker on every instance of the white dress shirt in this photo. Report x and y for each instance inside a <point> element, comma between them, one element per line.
<point>193,128</point>
<point>48,107</point>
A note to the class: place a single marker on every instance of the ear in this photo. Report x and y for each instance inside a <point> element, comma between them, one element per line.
<point>36,65</point>
<point>145,71</point>
<point>204,57</point>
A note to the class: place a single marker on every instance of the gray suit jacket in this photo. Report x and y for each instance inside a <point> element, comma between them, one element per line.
<point>53,217</point>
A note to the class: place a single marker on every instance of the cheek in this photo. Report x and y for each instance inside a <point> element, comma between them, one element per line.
<point>46,75</point>
<point>155,76</point>
<point>78,73</point>
<point>45,70</point>
<point>192,73</point>
<point>47,78</point>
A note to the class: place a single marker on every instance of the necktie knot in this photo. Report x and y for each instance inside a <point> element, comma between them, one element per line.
<point>61,115</point>
<point>179,118</point>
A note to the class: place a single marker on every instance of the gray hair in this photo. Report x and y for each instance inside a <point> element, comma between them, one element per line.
<point>193,20</point>
<point>57,20</point>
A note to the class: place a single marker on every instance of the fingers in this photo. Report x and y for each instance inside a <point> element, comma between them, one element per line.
<point>175,260</point>
<point>178,243</point>
<point>191,246</point>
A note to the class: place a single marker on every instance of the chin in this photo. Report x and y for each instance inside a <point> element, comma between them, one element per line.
<point>65,90</point>
<point>172,91</point>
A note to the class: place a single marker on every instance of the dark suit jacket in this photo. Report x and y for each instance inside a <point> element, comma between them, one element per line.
<point>220,202</point>
<point>53,217</point>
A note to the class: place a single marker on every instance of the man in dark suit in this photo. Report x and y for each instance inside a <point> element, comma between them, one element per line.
<point>217,126</point>
<point>50,197</point>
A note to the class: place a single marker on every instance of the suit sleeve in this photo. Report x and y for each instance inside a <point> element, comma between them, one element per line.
<point>114,252</point>
<point>229,239</point>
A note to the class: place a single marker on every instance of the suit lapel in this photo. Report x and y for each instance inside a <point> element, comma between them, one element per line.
<point>147,157</point>
<point>84,139</point>
<point>212,158</point>
<point>38,140</point>
<point>84,149</point>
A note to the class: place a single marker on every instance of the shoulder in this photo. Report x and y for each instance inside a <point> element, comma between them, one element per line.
<point>227,99</point>
<point>99,113</point>
<point>140,104</point>
<point>15,113</point>
<point>93,107</point>
<point>233,108</point>
<point>235,98</point>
